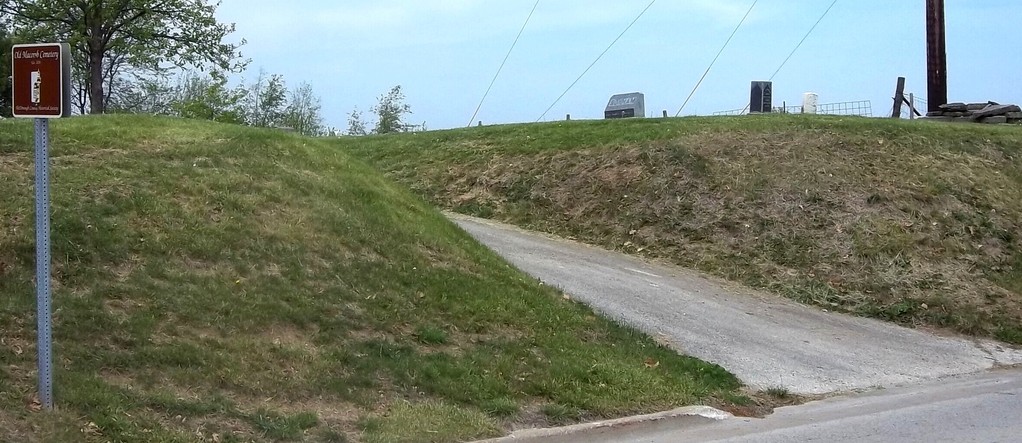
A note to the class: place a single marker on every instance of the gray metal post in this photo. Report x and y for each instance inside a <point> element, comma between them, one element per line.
<point>42,276</point>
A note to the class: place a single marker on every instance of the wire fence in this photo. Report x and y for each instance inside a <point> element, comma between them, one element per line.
<point>920,104</point>
<point>731,112</point>
<point>906,111</point>
<point>862,108</point>
<point>789,110</point>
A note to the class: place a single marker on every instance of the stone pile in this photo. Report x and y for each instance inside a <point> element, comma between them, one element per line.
<point>988,112</point>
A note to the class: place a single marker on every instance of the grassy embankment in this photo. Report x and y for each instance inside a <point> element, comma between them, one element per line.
<point>917,223</point>
<point>227,284</point>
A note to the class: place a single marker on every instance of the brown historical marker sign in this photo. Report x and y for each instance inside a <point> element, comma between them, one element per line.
<point>41,80</point>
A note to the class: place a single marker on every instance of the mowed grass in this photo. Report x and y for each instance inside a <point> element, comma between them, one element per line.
<point>914,222</point>
<point>225,284</point>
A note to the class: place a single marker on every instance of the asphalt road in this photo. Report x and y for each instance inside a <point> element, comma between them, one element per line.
<point>978,408</point>
<point>987,408</point>
<point>765,340</point>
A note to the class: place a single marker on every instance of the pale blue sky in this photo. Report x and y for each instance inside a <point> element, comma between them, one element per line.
<point>444,53</point>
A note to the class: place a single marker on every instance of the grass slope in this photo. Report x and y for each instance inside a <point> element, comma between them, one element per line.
<point>226,284</point>
<point>912,222</point>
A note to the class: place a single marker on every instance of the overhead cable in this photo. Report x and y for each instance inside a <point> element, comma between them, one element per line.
<point>506,57</point>
<point>799,45</point>
<point>803,39</point>
<point>650,5</point>
<point>700,82</point>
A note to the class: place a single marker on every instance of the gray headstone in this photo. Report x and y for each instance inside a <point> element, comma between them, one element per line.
<point>626,105</point>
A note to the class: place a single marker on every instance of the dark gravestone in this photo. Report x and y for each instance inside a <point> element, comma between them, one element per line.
<point>762,99</point>
<point>626,106</point>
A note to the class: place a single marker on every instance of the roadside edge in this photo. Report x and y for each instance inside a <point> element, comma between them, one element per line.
<point>688,416</point>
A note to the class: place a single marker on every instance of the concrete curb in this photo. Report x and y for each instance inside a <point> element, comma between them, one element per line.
<point>681,417</point>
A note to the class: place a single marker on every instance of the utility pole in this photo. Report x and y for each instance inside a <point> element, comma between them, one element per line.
<point>936,55</point>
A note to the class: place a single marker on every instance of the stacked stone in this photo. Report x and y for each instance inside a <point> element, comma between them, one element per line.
<point>989,112</point>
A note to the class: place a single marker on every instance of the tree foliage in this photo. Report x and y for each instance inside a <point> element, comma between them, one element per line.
<point>209,98</point>
<point>109,36</point>
<point>390,111</point>
<point>5,72</point>
<point>356,125</point>
<point>303,111</point>
<point>266,100</point>
<point>143,95</point>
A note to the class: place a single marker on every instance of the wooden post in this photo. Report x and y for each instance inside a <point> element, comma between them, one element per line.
<point>568,117</point>
<point>665,113</point>
<point>936,55</point>
<point>899,98</point>
<point>912,104</point>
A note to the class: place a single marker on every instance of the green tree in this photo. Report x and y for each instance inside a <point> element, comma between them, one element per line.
<point>356,126</point>
<point>5,72</point>
<point>142,34</point>
<point>143,94</point>
<point>119,80</point>
<point>266,100</point>
<point>390,111</point>
<point>303,111</point>
<point>208,98</point>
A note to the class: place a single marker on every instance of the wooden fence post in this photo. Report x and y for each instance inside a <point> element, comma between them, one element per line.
<point>899,98</point>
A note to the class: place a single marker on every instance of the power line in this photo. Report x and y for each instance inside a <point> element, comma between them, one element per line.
<point>803,39</point>
<point>799,45</point>
<point>700,82</point>
<point>650,5</point>
<point>506,57</point>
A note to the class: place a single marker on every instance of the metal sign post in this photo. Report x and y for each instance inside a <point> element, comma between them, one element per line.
<point>41,86</point>
<point>42,277</point>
